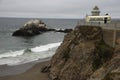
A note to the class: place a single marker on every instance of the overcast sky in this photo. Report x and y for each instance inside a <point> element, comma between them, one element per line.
<point>57,8</point>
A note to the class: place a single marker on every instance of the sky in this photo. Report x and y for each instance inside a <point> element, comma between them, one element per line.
<point>57,8</point>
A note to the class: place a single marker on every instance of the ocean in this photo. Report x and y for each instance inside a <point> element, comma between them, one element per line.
<point>20,50</point>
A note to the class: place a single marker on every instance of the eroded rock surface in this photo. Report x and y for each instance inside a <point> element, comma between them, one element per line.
<point>83,55</point>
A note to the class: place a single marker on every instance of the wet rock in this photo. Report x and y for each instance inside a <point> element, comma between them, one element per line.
<point>31,28</point>
<point>35,27</point>
<point>64,30</point>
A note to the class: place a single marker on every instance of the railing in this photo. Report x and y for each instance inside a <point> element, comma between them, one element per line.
<point>112,25</point>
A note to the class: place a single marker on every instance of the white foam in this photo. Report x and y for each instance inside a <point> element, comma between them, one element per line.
<point>12,54</point>
<point>17,57</point>
<point>45,47</point>
<point>9,61</point>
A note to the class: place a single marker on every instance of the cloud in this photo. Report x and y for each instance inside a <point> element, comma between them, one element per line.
<point>56,8</point>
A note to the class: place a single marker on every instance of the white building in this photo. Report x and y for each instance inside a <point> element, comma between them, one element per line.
<point>96,17</point>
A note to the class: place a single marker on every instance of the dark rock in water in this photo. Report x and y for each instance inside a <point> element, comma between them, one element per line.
<point>64,30</point>
<point>28,32</point>
<point>83,55</point>
<point>27,51</point>
<point>31,28</point>
<point>68,30</point>
<point>35,27</point>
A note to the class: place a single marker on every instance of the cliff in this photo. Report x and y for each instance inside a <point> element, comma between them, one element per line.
<point>83,55</point>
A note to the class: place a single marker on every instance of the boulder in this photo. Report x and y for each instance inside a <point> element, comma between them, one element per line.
<point>31,28</point>
<point>26,32</point>
<point>35,27</point>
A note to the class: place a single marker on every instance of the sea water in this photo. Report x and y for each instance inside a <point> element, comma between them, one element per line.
<point>20,50</point>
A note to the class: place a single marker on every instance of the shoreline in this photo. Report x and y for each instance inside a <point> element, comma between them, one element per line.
<point>33,73</point>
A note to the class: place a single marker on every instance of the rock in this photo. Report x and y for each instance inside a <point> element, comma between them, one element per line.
<point>26,32</point>
<point>110,70</point>
<point>118,41</point>
<point>31,28</point>
<point>35,27</point>
<point>64,30</point>
<point>83,55</point>
<point>45,69</point>
<point>27,50</point>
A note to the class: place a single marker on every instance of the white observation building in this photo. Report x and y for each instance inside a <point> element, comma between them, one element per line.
<point>96,17</point>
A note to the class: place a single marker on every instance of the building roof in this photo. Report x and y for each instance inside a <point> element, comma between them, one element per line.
<point>96,8</point>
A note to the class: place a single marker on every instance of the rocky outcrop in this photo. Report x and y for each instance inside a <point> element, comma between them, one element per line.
<point>35,27</point>
<point>111,69</point>
<point>83,55</point>
<point>31,28</point>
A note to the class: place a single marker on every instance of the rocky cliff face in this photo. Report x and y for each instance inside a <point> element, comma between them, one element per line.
<point>83,55</point>
<point>111,69</point>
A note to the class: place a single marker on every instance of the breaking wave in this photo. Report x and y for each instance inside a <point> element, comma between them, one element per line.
<point>27,55</point>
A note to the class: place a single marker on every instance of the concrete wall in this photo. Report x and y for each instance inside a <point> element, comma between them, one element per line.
<point>110,36</point>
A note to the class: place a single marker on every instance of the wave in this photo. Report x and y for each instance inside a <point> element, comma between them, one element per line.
<point>36,49</point>
<point>12,54</point>
<point>45,47</point>
<point>27,55</point>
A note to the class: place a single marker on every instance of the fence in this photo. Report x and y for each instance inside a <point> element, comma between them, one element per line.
<point>112,25</point>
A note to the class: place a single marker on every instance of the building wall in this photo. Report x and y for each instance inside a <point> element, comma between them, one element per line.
<point>109,37</point>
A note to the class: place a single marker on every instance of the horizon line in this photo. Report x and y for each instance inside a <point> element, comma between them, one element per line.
<point>48,17</point>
